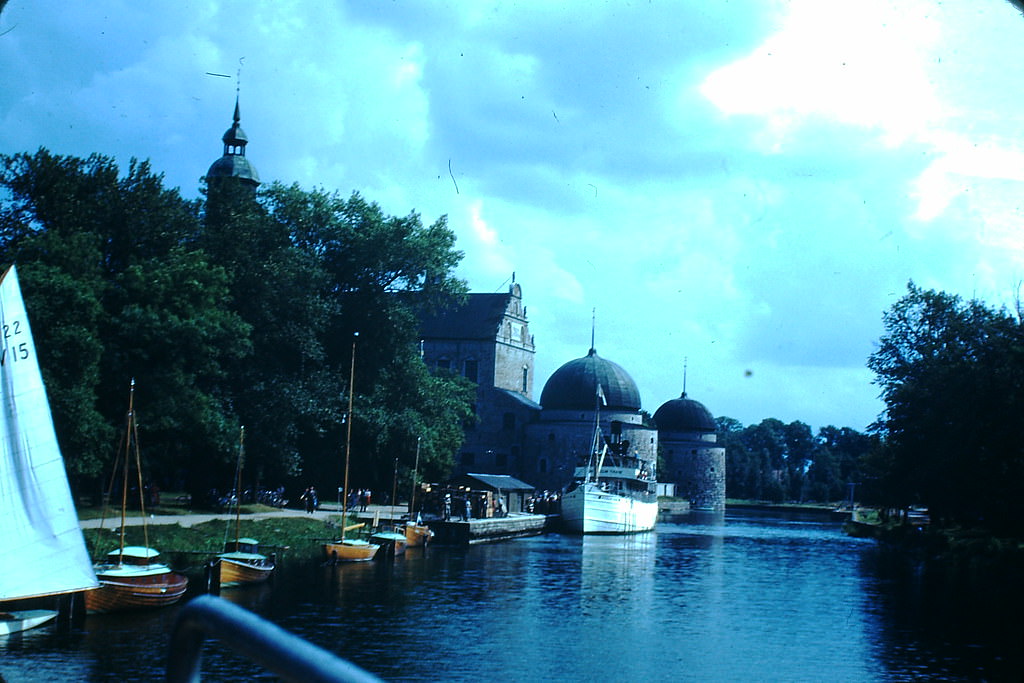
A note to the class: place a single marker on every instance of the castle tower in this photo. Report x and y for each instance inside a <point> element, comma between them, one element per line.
<point>233,163</point>
<point>692,457</point>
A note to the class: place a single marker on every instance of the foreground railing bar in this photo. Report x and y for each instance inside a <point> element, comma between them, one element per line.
<point>267,644</point>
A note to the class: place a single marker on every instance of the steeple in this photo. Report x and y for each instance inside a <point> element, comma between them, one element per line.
<point>233,163</point>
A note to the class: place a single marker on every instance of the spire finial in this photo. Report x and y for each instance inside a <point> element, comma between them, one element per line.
<point>685,360</point>
<point>593,325</point>
<point>238,89</point>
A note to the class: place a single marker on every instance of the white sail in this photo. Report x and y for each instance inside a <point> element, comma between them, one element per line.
<point>42,551</point>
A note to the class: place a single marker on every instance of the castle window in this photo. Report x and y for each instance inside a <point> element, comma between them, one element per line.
<point>508,331</point>
<point>542,465</point>
<point>444,364</point>
<point>526,378</point>
<point>469,370</point>
<point>508,421</point>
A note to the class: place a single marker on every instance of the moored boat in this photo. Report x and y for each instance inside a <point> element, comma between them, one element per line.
<point>394,541</point>
<point>613,492</point>
<point>417,534</point>
<point>42,550</point>
<point>349,549</point>
<point>22,620</point>
<point>132,578</point>
<point>242,563</point>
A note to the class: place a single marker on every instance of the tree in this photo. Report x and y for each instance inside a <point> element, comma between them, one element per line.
<point>115,290</point>
<point>952,378</point>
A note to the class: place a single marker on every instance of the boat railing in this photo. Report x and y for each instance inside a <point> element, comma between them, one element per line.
<point>285,654</point>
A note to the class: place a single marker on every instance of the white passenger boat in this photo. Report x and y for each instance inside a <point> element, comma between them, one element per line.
<point>613,492</point>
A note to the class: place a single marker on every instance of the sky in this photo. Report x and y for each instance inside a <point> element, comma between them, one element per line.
<point>739,188</point>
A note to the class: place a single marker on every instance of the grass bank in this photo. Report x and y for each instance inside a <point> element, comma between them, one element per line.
<point>289,537</point>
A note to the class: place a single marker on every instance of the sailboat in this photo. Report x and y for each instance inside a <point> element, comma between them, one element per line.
<point>241,562</point>
<point>349,549</point>
<point>131,577</point>
<point>42,550</point>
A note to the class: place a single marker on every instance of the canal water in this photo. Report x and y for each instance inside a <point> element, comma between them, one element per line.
<point>748,596</point>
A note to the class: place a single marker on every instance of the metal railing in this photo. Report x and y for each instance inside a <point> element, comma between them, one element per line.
<point>267,644</point>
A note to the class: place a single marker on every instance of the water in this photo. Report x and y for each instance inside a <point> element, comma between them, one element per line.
<point>737,598</point>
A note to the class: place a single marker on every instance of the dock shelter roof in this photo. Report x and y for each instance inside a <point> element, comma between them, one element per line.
<point>492,482</point>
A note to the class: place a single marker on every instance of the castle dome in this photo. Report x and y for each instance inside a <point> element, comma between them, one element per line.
<point>574,386</point>
<point>684,415</point>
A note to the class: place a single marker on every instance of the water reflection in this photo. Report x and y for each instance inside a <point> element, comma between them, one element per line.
<point>713,598</point>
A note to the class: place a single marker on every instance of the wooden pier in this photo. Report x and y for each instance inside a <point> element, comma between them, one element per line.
<point>490,530</point>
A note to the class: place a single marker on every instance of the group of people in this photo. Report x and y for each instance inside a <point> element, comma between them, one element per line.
<point>359,498</point>
<point>309,497</point>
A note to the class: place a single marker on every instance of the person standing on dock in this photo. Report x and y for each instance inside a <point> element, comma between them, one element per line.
<point>469,507</point>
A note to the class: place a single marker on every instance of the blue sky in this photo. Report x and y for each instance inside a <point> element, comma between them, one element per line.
<point>748,185</point>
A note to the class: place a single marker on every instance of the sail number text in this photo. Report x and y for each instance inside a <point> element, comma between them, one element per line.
<point>13,349</point>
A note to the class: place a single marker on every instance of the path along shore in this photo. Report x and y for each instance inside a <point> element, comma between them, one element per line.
<point>383,512</point>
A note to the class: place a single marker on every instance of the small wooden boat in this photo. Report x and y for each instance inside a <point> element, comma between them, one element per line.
<point>133,579</point>
<point>349,549</point>
<point>393,542</point>
<point>242,564</point>
<point>417,535</point>
<point>21,620</point>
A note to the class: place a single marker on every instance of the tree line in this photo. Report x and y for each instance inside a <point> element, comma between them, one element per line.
<point>236,308</point>
<point>950,439</point>
<point>778,462</point>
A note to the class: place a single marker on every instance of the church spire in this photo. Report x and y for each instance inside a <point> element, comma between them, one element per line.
<point>233,163</point>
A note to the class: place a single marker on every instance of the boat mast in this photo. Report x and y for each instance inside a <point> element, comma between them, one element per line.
<point>124,473</point>
<point>415,469</point>
<point>238,486</point>
<point>348,436</point>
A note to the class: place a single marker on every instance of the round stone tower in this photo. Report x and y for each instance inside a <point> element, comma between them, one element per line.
<point>692,457</point>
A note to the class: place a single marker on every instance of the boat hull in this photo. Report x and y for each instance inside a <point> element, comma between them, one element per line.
<point>236,571</point>
<point>417,535</point>
<point>350,551</point>
<point>130,593</point>
<point>390,539</point>
<point>22,620</point>
<point>589,510</point>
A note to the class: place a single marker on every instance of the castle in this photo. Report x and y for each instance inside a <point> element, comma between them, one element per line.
<point>487,340</point>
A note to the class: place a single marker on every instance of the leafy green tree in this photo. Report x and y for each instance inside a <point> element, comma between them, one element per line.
<point>952,378</point>
<point>115,290</point>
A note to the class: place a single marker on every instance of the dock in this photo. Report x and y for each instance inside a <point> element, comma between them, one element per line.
<point>491,529</point>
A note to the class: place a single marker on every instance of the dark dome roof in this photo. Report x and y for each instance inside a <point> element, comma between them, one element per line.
<point>574,386</point>
<point>684,415</point>
<point>233,163</point>
<point>234,166</point>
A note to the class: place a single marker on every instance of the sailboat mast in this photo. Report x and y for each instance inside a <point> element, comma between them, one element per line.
<point>348,436</point>
<point>238,486</point>
<point>124,472</point>
<point>415,470</point>
<point>138,472</point>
